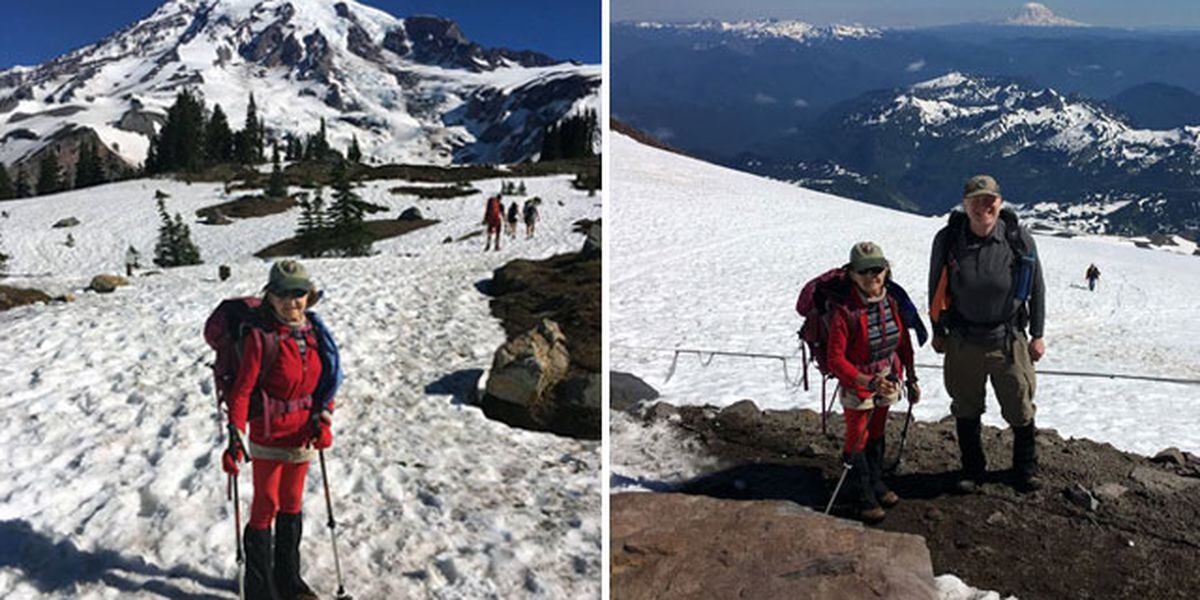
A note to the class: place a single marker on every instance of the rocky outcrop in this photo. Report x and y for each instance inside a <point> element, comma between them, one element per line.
<point>105,284</point>
<point>667,546</point>
<point>626,389</point>
<point>14,296</point>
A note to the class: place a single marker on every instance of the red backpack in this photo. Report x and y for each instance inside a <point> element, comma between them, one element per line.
<point>226,327</point>
<point>816,303</point>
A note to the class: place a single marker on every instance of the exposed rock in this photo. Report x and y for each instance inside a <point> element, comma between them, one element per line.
<point>411,213</point>
<point>1110,491</point>
<point>998,519</point>
<point>678,546</point>
<point>13,296</point>
<point>1081,497</point>
<point>740,415</point>
<point>161,195</point>
<point>216,217</point>
<point>591,246</point>
<point>524,371</point>
<point>67,222</point>
<point>626,389</point>
<point>1161,482</point>
<point>395,41</point>
<point>105,284</point>
<point>1170,456</point>
<point>448,239</point>
<point>139,121</point>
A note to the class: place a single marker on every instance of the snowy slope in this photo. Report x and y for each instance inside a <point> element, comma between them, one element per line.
<point>397,84</point>
<point>710,258</point>
<point>111,480</point>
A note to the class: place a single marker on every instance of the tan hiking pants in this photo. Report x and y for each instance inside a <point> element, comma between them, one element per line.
<point>968,367</point>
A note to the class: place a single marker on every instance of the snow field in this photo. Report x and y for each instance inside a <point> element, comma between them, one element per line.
<point>114,445</point>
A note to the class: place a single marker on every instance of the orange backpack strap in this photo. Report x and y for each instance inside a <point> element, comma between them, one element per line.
<point>941,297</point>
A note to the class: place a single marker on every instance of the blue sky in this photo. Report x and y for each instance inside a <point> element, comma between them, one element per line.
<point>914,13</point>
<point>34,31</point>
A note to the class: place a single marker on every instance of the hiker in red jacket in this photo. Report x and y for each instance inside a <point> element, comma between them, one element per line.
<point>493,217</point>
<point>870,354</point>
<point>284,432</point>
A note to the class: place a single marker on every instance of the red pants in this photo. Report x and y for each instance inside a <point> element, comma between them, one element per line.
<point>858,431</point>
<point>278,487</point>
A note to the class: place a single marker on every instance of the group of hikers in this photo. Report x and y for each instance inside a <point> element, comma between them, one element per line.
<point>495,218</point>
<point>987,311</point>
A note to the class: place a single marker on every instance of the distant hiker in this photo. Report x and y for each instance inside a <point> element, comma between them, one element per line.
<point>282,390</point>
<point>1092,275</point>
<point>131,261</point>
<point>514,212</point>
<point>985,286</point>
<point>530,213</point>
<point>493,217</point>
<point>870,353</point>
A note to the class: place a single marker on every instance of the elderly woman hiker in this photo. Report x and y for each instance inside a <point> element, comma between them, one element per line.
<point>286,373</point>
<point>870,354</point>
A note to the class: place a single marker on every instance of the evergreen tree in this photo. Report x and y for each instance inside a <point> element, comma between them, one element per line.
<point>312,229</point>
<point>250,148</point>
<point>354,154</point>
<point>295,149</point>
<point>350,236</point>
<point>7,190</point>
<point>275,186</point>
<point>165,249</point>
<point>180,144</point>
<point>218,138</point>
<point>88,171</point>
<point>23,189</point>
<point>49,175</point>
<point>186,252</point>
<point>521,189</point>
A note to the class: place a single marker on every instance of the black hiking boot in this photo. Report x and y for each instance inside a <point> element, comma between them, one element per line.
<point>974,463</point>
<point>866,505</point>
<point>1024,463</point>
<point>260,583</point>
<point>288,529</point>
<point>875,452</point>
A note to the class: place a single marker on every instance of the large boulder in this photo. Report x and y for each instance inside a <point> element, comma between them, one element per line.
<point>105,284</point>
<point>679,546</point>
<point>411,213</point>
<point>528,386</point>
<point>591,245</point>
<point>626,389</point>
<point>13,296</point>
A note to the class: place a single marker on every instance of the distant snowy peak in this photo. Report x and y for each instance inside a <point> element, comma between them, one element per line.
<point>1001,111</point>
<point>772,28</point>
<point>1035,14</point>
<point>406,88</point>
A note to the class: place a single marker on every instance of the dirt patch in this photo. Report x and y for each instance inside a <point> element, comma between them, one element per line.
<point>11,297</point>
<point>248,207</point>
<point>563,288</point>
<point>1140,541</point>
<point>379,230</point>
<point>435,193</point>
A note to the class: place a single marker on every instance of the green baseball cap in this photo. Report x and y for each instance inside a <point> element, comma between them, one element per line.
<point>288,275</point>
<point>866,255</point>
<point>981,185</point>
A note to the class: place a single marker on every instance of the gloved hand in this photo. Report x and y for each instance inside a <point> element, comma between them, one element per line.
<point>322,432</point>
<point>230,459</point>
<point>939,343</point>
<point>914,392</point>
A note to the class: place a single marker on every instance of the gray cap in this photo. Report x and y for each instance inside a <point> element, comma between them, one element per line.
<point>866,255</point>
<point>287,275</point>
<point>981,185</point>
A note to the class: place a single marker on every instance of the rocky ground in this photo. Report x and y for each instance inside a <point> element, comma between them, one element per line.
<point>1108,524</point>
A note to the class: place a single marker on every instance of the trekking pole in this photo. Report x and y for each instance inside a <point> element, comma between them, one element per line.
<point>846,467</point>
<point>237,534</point>
<point>341,591</point>
<point>903,438</point>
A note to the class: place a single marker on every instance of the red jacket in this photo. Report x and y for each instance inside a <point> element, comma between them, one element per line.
<point>494,213</point>
<point>848,356</point>
<point>289,380</point>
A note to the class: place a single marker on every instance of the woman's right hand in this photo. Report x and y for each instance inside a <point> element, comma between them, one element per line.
<point>230,459</point>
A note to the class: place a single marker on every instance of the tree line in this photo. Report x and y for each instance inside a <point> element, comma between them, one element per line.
<point>570,138</point>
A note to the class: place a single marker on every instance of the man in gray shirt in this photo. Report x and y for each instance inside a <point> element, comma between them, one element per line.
<point>985,290</point>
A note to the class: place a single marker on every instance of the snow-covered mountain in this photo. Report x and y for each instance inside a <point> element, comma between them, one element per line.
<point>1035,14</point>
<point>924,139</point>
<point>798,31</point>
<point>413,90</point>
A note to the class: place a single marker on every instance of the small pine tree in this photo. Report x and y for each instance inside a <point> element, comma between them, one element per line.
<point>275,186</point>
<point>218,138</point>
<point>7,190</point>
<point>354,153</point>
<point>88,171</point>
<point>350,234</point>
<point>311,230</point>
<point>49,175</point>
<point>521,189</point>
<point>187,253</point>
<point>165,249</point>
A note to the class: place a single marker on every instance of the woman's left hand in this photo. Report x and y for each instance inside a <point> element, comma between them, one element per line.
<point>914,392</point>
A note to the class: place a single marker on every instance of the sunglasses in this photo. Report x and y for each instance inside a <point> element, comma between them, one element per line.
<point>297,293</point>
<point>870,271</point>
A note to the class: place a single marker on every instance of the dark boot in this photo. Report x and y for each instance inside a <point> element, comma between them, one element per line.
<point>974,463</point>
<point>260,584</point>
<point>288,529</point>
<point>1024,462</point>
<point>875,452</point>
<point>860,490</point>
